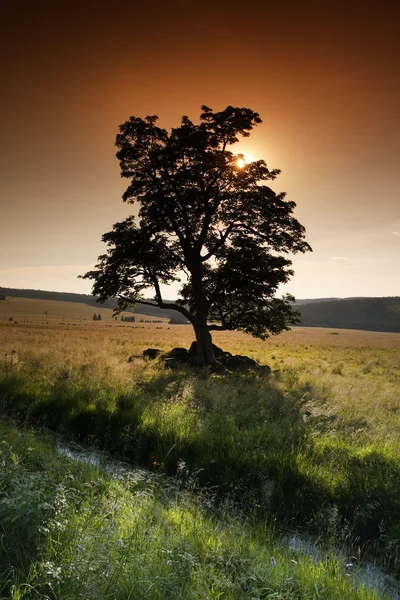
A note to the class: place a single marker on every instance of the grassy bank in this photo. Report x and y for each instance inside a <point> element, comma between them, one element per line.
<point>316,446</point>
<point>70,531</point>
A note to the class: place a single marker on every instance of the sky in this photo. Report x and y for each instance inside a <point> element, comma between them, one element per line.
<point>322,75</point>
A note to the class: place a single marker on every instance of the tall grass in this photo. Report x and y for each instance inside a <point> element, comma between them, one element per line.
<point>315,446</point>
<point>70,531</point>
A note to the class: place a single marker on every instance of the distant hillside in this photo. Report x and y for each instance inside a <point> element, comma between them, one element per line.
<point>301,301</point>
<point>90,301</point>
<point>373,314</point>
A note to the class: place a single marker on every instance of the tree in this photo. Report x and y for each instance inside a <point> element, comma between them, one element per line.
<point>204,214</point>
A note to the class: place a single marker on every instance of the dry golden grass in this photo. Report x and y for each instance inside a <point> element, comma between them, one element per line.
<point>54,311</point>
<point>353,375</point>
<point>325,424</point>
<point>123,340</point>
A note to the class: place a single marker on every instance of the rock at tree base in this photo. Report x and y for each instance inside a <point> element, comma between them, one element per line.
<point>235,363</point>
<point>172,363</point>
<point>265,369</point>
<point>195,361</point>
<point>152,353</point>
<point>225,361</point>
<point>249,362</point>
<point>218,368</point>
<point>181,354</point>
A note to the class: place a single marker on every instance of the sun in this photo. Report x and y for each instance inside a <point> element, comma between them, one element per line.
<point>243,159</point>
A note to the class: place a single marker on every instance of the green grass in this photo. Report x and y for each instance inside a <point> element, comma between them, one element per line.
<point>70,531</point>
<point>316,446</point>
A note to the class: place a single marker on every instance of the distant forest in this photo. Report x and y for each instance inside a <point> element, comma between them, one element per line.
<point>373,314</point>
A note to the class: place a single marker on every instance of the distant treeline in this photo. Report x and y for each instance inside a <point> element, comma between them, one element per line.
<point>373,314</point>
<point>92,301</point>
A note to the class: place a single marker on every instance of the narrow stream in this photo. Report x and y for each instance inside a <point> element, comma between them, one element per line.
<point>366,575</point>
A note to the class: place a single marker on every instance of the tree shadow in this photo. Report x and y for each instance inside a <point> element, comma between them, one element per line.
<point>244,437</point>
<point>241,436</point>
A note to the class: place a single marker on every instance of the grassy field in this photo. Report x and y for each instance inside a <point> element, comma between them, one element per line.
<point>316,446</point>
<point>71,530</point>
<point>36,311</point>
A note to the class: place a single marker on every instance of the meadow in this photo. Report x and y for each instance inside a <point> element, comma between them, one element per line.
<point>70,530</point>
<point>313,448</point>
<point>38,311</point>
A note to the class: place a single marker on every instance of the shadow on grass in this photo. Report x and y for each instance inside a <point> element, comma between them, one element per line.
<point>239,433</point>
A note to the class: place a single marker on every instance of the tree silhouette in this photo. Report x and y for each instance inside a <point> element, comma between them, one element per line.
<point>204,215</point>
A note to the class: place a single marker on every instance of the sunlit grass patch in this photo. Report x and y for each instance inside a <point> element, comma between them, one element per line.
<point>140,536</point>
<point>310,446</point>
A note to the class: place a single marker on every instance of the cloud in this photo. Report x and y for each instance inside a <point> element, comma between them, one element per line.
<point>395,232</point>
<point>340,258</point>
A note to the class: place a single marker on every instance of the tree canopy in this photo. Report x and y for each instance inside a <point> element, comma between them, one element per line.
<point>206,218</point>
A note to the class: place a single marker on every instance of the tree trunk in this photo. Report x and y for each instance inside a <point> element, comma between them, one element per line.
<point>203,336</point>
<point>204,342</point>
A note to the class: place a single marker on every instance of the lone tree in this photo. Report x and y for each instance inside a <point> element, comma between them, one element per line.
<point>204,213</point>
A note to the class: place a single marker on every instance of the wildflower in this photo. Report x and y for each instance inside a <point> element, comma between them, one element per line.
<point>119,543</point>
<point>273,562</point>
<point>169,562</point>
<point>81,548</point>
<point>106,571</point>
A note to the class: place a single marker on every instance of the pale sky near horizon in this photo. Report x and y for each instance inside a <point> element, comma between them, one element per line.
<point>323,76</point>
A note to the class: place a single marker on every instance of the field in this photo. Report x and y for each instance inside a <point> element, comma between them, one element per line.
<point>31,311</point>
<point>313,448</point>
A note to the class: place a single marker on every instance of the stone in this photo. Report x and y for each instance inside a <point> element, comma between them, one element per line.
<point>152,353</point>
<point>265,369</point>
<point>224,357</point>
<point>180,354</point>
<point>218,368</point>
<point>235,363</point>
<point>250,362</point>
<point>196,362</point>
<point>239,363</point>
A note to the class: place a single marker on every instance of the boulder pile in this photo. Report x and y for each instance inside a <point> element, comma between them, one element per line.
<point>225,361</point>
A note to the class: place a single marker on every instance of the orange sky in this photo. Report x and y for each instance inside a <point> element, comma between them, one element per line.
<point>323,76</point>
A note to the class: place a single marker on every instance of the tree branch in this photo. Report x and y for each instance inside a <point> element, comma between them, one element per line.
<point>223,238</point>
<point>215,327</point>
<point>172,306</point>
<point>168,305</point>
